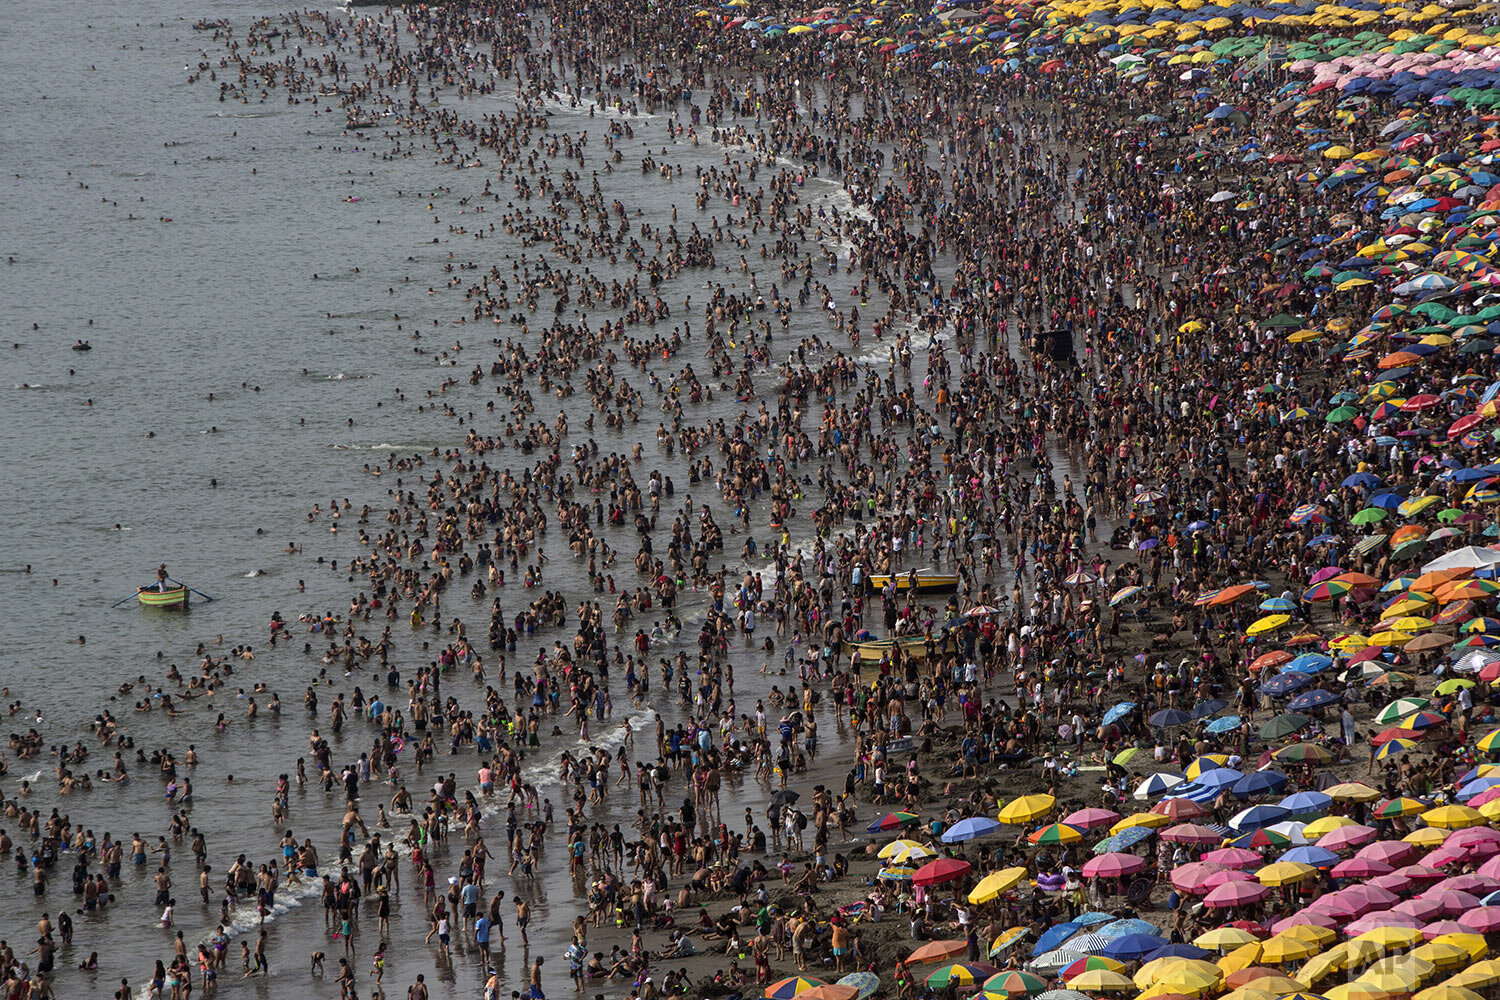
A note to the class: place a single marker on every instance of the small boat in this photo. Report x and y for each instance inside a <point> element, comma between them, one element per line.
<point>928,582</point>
<point>82,345</point>
<point>172,597</point>
<point>876,650</point>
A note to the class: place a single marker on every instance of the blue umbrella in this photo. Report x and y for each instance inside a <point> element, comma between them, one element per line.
<point>1475,787</point>
<point>1225,725</point>
<point>1362,479</point>
<point>1127,925</point>
<point>1168,717</point>
<point>1284,684</point>
<point>1257,817</point>
<point>1318,857</point>
<point>1316,698</point>
<point>1053,937</point>
<point>968,829</point>
<point>1306,803</point>
<point>1176,951</point>
<point>1132,946</point>
<point>1277,604</point>
<point>1219,777</point>
<point>1093,917</point>
<point>1309,663</point>
<point>1119,712</point>
<point>1258,783</point>
<point>1157,784</point>
<point>1212,706</point>
<point>1124,840</point>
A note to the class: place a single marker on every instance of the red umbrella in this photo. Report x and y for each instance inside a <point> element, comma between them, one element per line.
<point>1113,865</point>
<point>940,871</point>
<point>1179,810</point>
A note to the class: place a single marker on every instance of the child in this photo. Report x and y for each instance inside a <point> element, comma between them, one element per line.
<point>245,960</point>
<point>377,964</point>
<point>166,915</point>
<point>317,964</point>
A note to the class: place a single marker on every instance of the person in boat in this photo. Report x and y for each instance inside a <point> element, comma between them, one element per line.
<point>161,578</point>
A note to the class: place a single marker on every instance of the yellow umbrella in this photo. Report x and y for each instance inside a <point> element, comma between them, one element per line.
<point>1353,791</point>
<point>1191,980</point>
<point>1026,809</point>
<point>1269,623</point>
<point>993,884</point>
<point>1442,991</point>
<point>1429,837</point>
<point>1443,956</point>
<point>1321,966</point>
<point>1474,944</point>
<point>1150,820</point>
<point>1452,817</point>
<point>1362,952</point>
<point>1490,810</point>
<point>908,848</point>
<point>1284,873</point>
<point>1391,938</point>
<point>1401,974</point>
<point>1221,938</point>
<point>1195,973</point>
<point>1356,991</point>
<point>1242,957</point>
<point>1325,825</point>
<point>1311,933</point>
<point>1100,981</point>
<point>1473,978</point>
<point>1279,949</point>
<point>1281,984</point>
<point>1252,991</point>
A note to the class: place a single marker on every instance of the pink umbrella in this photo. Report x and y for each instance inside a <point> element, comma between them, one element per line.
<point>1113,865</point>
<point>1193,878</point>
<point>1087,819</point>
<point>1372,895</point>
<point>1397,883</point>
<point>1358,867</point>
<point>1452,901</point>
<point>1393,852</point>
<point>1472,835</point>
<point>1488,795</point>
<point>1470,882</point>
<point>1385,918</point>
<point>1326,573</point>
<point>1190,833</point>
<point>1309,917</point>
<point>1421,873</point>
<point>1236,894</point>
<point>1346,837</point>
<point>1419,909</point>
<point>1333,904</point>
<point>1445,856</point>
<point>1234,857</point>
<point>1225,877</point>
<point>1441,927</point>
<point>1491,868</point>
<point>1478,849</point>
<point>1485,919</point>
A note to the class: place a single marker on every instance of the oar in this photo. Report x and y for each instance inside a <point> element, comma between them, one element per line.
<point>198,592</point>
<point>123,600</point>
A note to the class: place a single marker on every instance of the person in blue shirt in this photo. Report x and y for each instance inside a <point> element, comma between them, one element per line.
<point>482,938</point>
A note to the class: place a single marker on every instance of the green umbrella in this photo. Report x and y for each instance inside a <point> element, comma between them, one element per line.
<point>1370,515</point>
<point>1342,414</point>
<point>1283,725</point>
<point>1283,320</point>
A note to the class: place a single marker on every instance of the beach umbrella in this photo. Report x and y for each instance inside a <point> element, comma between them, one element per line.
<point>1056,833</point>
<point>1224,937</point>
<point>1101,981</point>
<point>963,974</point>
<point>891,821</point>
<point>865,983</point>
<point>969,829</point>
<point>1285,873</point>
<point>909,848</point>
<point>1233,894</point>
<point>1089,818</point>
<point>1157,784</point>
<point>1190,833</point>
<point>1287,723</point>
<point>995,883</point>
<point>1280,949</point>
<point>1352,791</point>
<point>1233,857</point>
<point>1129,948</point>
<point>1306,803</point>
<point>1112,865</point>
<point>938,951</point>
<point>1452,817</point>
<point>829,991</point>
<point>1179,810</point>
<point>1014,983</point>
<point>1090,963</point>
<point>1258,783</point>
<point>785,989</point>
<point>1007,939</point>
<point>1061,995</point>
<point>940,871</point>
<point>1317,857</point>
<point>1026,809</point>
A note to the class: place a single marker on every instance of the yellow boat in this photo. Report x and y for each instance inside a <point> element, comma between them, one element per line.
<point>928,582</point>
<point>172,597</point>
<point>875,650</point>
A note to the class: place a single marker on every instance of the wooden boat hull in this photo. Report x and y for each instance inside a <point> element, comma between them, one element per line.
<point>172,598</point>
<point>927,582</point>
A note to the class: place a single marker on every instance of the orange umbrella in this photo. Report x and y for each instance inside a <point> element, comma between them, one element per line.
<point>1240,977</point>
<point>1358,579</point>
<point>1399,360</point>
<point>1438,577</point>
<point>1231,594</point>
<point>938,951</point>
<point>829,991</point>
<point>1406,533</point>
